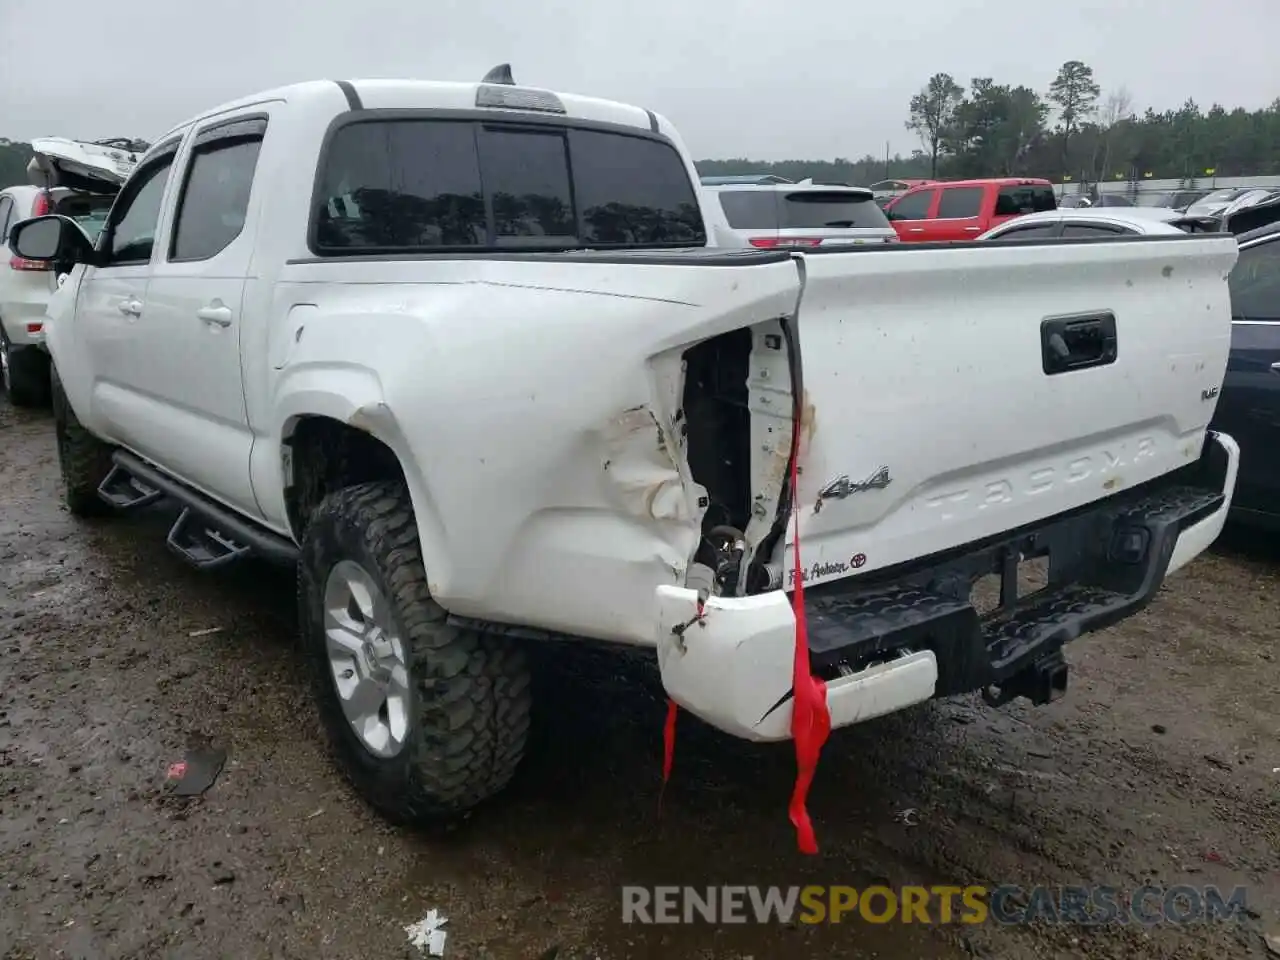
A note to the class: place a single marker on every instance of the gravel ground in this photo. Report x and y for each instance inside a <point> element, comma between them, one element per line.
<point>1160,766</point>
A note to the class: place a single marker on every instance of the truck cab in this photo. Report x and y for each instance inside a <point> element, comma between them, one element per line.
<point>965,209</point>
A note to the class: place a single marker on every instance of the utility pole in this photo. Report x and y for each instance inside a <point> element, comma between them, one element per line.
<point>886,159</point>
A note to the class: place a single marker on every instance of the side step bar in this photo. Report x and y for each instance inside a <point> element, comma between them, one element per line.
<point>206,534</point>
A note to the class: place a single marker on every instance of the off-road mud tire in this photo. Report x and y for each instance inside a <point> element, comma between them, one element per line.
<point>470,693</point>
<point>83,459</point>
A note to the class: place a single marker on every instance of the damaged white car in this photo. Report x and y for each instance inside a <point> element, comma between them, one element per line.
<point>77,179</point>
<point>461,352</point>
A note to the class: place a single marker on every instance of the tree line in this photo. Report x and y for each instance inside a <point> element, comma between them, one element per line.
<point>1072,131</point>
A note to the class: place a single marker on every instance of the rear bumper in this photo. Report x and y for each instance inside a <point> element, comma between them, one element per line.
<point>912,634</point>
<point>20,315</point>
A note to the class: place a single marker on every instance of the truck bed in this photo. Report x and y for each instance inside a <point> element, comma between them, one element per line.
<point>655,395</point>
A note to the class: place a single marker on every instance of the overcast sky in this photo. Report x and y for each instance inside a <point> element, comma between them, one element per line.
<point>768,80</point>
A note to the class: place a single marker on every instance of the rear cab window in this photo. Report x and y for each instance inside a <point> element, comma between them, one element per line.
<point>427,184</point>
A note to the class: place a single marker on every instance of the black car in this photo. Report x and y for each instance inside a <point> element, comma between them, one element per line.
<point>1249,405</point>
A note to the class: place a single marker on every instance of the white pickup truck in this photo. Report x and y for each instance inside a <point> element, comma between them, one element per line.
<point>460,351</point>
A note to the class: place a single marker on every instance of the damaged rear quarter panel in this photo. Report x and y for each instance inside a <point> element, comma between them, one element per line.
<point>535,408</point>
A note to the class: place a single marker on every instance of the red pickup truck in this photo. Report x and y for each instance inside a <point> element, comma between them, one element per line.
<point>965,209</point>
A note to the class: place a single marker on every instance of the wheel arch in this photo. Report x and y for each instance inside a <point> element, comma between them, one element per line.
<point>332,442</point>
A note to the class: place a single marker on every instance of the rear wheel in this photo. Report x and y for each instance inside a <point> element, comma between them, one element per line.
<point>426,719</point>
<point>25,370</point>
<point>83,459</point>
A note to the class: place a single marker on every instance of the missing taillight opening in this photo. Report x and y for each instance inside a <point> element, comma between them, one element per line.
<point>737,411</point>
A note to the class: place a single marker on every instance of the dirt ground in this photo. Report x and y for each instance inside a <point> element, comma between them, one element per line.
<point>1161,766</point>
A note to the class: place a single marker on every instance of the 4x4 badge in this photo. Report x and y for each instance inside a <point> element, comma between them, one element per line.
<point>842,486</point>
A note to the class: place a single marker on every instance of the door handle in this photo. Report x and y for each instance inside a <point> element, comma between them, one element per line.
<point>215,313</point>
<point>130,307</point>
<point>915,229</point>
<point>972,229</point>
<point>1275,367</point>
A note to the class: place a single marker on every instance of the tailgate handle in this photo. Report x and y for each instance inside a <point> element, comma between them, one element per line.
<point>1078,342</point>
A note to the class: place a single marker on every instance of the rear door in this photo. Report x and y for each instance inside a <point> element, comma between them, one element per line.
<point>809,218</point>
<point>959,215</point>
<point>1249,406</point>
<point>187,376</point>
<point>910,213</point>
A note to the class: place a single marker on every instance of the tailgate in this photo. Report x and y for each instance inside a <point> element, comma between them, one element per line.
<point>932,421</point>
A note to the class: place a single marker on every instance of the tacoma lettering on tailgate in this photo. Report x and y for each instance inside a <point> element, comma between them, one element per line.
<point>1100,464</point>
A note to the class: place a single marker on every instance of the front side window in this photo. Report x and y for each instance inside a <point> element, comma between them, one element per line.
<point>1255,283</point>
<point>131,230</point>
<point>423,185</point>
<point>215,198</point>
<point>912,206</point>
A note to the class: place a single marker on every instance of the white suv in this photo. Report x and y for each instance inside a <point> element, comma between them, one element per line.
<point>806,214</point>
<point>76,180</point>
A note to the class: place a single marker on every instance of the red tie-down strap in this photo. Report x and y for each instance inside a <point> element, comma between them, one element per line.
<point>810,719</point>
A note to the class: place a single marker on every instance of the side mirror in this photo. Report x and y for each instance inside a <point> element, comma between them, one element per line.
<point>52,238</point>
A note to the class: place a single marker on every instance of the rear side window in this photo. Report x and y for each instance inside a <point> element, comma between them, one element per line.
<point>1028,232</point>
<point>1092,230</point>
<point>214,201</point>
<point>750,209</point>
<point>6,215</point>
<point>426,185</point>
<point>1028,198</point>
<point>960,203</point>
<point>913,206</point>
<point>813,210</point>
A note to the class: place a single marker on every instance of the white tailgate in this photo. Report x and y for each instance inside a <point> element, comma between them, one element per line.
<point>928,363</point>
